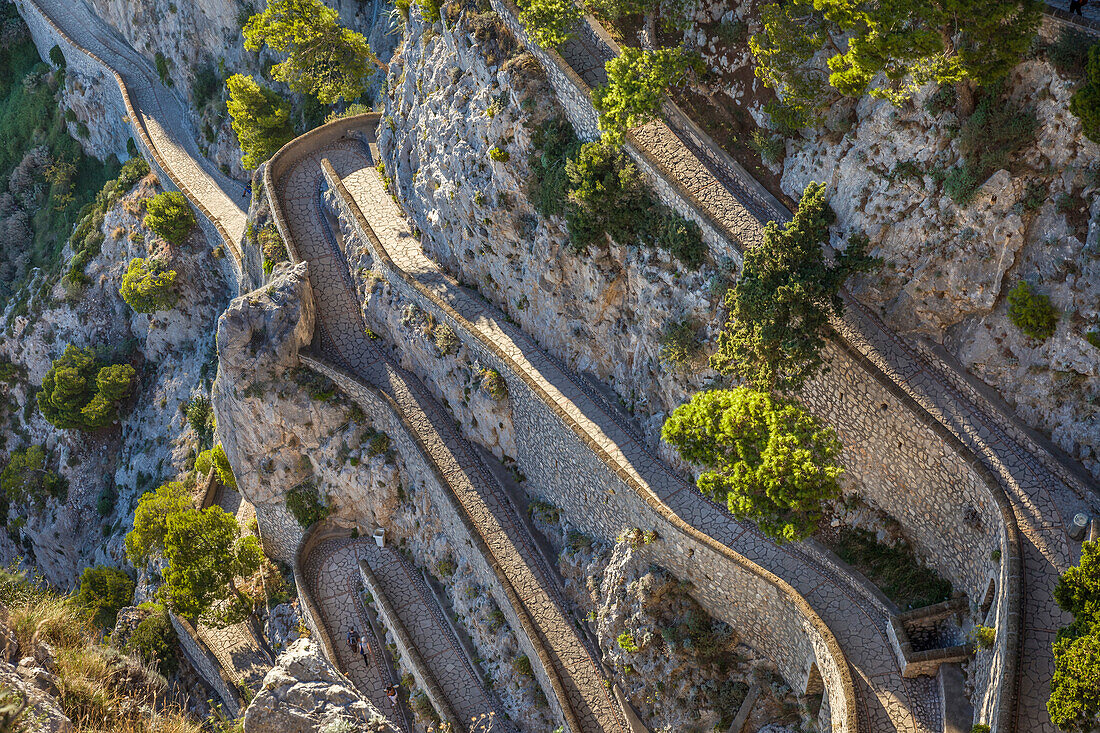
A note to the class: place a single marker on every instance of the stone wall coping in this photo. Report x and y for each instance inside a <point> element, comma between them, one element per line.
<point>406,645</point>
<point>143,135</point>
<point>227,689</point>
<point>643,491</point>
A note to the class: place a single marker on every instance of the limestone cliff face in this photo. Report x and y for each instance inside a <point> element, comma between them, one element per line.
<point>171,350</point>
<point>947,267</point>
<point>305,693</point>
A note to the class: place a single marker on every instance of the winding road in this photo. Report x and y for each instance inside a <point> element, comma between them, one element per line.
<point>1040,488</point>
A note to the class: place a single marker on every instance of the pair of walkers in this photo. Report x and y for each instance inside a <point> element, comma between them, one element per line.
<point>360,644</point>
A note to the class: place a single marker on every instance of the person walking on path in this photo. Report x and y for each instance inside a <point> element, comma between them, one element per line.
<point>352,638</point>
<point>1076,5</point>
<point>391,693</point>
<point>364,649</point>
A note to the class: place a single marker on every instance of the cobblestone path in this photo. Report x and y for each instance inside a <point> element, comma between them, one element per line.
<point>537,600</point>
<point>160,112</point>
<point>887,701</point>
<point>1041,490</point>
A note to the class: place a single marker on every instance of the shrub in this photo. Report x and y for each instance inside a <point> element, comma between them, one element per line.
<point>378,444</point>
<point>992,136</point>
<point>770,147</point>
<point>680,345</point>
<point>960,185</point>
<point>765,459</point>
<point>28,479</point>
<point>1093,337</point>
<point>1032,312</point>
<point>1070,52</point>
<point>494,384</point>
<point>550,23</point>
<point>985,636</point>
<point>979,728</point>
<point>215,458</point>
<point>154,640</point>
<point>522,666</point>
<point>162,69</point>
<point>305,504</point>
<point>169,215</point>
<point>626,642</point>
<point>261,119</point>
<point>445,568</point>
<point>200,416</point>
<point>103,591</point>
<point>683,239</point>
<point>1085,102</point>
<point>498,154</point>
<point>147,286</point>
<point>79,393</point>
<point>57,57</point>
<point>637,80</point>
<point>941,100</point>
<point>445,338</point>
<point>105,502</point>
<point>272,246</point>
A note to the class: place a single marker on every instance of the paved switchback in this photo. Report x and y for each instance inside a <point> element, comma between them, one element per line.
<point>160,112</point>
<point>1041,490</point>
<point>887,701</point>
<point>341,338</point>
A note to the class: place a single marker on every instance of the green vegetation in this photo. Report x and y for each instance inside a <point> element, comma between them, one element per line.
<point>205,551</point>
<point>87,238</point>
<point>522,666</point>
<point>779,308</point>
<point>261,119</point>
<point>215,458</point>
<point>29,481</point>
<point>1032,312</point>
<point>549,23</point>
<point>1069,53</point>
<point>272,246</point>
<point>494,384</point>
<point>1085,102</point>
<point>154,641</point>
<point>637,81</point>
<point>626,642</point>
<point>681,347</point>
<point>169,215</point>
<point>445,339</point>
<point>1074,703</point>
<point>894,569</point>
<point>304,502</point>
<point>148,286</point>
<point>45,171</point>
<point>200,416</point>
<point>323,59</point>
<point>602,194</point>
<point>984,636</point>
<point>765,459</point>
<point>889,50</point>
<point>103,591</point>
<point>989,140</point>
<point>79,392</point>
<point>99,688</point>
<point>163,71</point>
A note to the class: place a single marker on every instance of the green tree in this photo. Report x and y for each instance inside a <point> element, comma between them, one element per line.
<point>215,458</point>
<point>79,393</point>
<point>154,640</point>
<point>103,591</point>
<point>637,81</point>
<point>780,306</point>
<point>323,59</point>
<point>29,479</point>
<point>1085,102</point>
<point>790,36</point>
<point>608,194</point>
<point>764,458</point>
<point>147,286</point>
<point>151,520</point>
<point>169,215</point>
<point>261,119</point>
<point>205,553</point>
<point>893,49</point>
<point>550,23</point>
<point>204,549</point>
<point>1074,703</point>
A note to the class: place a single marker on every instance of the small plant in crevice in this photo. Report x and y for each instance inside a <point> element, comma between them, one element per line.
<point>1032,312</point>
<point>445,339</point>
<point>493,383</point>
<point>984,636</point>
<point>304,502</point>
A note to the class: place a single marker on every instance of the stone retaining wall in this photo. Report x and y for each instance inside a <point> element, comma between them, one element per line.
<point>206,664</point>
<point>566,470</point>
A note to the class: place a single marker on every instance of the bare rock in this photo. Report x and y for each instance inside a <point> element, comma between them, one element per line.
<point>305,693</point>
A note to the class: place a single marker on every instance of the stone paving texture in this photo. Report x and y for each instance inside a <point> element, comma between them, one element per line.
<point>341,338</point>
<point>688,167</point>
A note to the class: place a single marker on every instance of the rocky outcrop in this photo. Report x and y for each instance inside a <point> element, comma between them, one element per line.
<point>304,693</point>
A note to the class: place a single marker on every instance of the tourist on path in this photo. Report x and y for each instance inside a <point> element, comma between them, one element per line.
<point>1076,5</point>
<point>391,693</point>
<point>353,637</point>
<point>364,649</point>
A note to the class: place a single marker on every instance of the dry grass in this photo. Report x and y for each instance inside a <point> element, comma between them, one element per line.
<point>101,689</point>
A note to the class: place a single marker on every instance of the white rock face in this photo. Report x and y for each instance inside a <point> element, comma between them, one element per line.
<point>303,693</point>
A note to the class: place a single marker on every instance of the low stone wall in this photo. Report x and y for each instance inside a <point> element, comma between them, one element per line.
<point>566,469</point>
<point>206,664</point>
<point>47,34</point>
